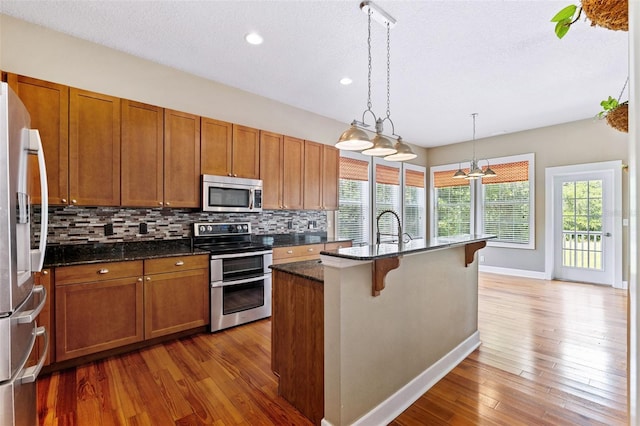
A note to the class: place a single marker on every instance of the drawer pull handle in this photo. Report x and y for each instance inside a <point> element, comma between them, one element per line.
<point>179,263</point>
<point>103,271</point>
<point>309,249</point>
<point>289,251</point>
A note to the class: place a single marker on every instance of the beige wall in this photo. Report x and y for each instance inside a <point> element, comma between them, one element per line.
<point>587,141</point>
<point>37,52</point>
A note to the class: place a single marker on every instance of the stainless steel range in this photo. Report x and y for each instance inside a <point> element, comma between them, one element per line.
<point>240,274</point>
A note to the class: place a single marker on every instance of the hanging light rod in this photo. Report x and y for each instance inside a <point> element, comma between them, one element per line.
<point>377,13</point>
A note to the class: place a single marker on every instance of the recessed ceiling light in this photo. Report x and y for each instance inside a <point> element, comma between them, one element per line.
<point>253,38</point>
<point>345,81</point>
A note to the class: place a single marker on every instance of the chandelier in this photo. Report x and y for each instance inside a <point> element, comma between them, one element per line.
<point>355,138</point>
<point>475,171</point>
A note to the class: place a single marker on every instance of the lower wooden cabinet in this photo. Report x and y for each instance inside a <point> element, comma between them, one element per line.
<point>98,307</point>
<point>176,294</point>
<point>107,305</point>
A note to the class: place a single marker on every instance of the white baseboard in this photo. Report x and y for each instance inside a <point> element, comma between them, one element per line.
<point>391,408</point>
<point>515,272</point>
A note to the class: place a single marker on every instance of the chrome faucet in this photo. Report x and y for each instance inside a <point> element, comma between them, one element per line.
<point>378,227</point>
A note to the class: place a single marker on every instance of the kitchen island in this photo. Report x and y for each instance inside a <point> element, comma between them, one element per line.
<point>383,322</point>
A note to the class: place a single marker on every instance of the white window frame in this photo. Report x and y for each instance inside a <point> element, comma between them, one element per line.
<point>362,157</point>
<point>477,199</point>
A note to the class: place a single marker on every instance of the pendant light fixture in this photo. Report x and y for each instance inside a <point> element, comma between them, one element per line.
<point>355,138</point>
<point>475,171</point>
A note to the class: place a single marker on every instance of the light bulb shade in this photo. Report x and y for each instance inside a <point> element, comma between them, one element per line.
<point>353,139</point>
<point>403,152</point>
<point>488,173</point>
<point>459,174</point>
<point>476,172</point>
<point>381,146</point>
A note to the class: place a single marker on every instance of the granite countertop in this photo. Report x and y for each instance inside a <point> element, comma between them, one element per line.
<point>295,239</point>
<point>380,251</point>
<point>309,269</point>
<point>79,254</point>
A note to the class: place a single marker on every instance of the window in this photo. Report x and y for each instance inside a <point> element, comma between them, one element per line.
<point>414,220</point>
<point>503,205</point>
<point>354,213</point>
<point>396,186</point>
<point>452,203</point>
<point>506,203</point>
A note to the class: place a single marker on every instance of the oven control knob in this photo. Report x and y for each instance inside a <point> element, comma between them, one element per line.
<point>203,228</point>
<point>245,227</point>
<point>209,228</point>
<point>239,228</point>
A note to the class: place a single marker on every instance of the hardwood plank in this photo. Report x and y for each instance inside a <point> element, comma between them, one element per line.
<point>553,353</point>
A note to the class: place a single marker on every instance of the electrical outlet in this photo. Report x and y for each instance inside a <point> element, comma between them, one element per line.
<point>290,224</point>
<point>108,229</point>
<point>143,228</point>
<point>481,259</point>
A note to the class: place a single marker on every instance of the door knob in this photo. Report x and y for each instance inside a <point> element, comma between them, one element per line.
<point>607,234</point>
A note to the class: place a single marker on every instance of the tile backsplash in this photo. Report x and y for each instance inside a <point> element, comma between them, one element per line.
<point>79,225</point>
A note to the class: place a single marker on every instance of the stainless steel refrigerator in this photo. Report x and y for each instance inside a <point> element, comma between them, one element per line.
<point>20,300</point>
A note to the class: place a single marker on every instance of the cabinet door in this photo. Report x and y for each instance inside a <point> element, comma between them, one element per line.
<point>215,147</point>
<point>293,169</point>
<point>94,149</point>
<point>330,173</point>
<point>271,170</point>
<point>97,316</point>
<point>181,159</point>
<point>246,152</point>
<point>142,155</point>
<point>312,176</point>
<point>176,301</point>
<point>48,106</point>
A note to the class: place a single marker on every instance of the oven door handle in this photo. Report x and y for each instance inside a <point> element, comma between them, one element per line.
<point>243,281</point>
<point>243,254</point>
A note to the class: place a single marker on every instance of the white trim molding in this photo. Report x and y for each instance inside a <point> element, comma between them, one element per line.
<point>393,406</point>
<point>514,272</point>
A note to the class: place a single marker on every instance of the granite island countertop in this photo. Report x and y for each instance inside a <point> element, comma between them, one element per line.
<point>309,269</point>
<point>79,254</point>
<point>384,250</point>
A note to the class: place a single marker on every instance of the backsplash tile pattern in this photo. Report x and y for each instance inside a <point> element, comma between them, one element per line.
<point>80,225</point>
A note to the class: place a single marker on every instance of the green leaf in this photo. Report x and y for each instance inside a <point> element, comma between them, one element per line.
<point>562,28</point>
<point>565,14</point>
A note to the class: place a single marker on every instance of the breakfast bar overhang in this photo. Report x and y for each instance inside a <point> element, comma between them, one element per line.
<point>396,320</point>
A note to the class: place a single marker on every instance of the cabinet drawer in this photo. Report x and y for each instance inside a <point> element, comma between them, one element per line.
<point>337,245</point>
<point>308,251</point>
<point>97,272</point>
<point>175,264</point>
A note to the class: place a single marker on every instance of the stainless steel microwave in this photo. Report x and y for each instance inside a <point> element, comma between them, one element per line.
<point>231,194</point>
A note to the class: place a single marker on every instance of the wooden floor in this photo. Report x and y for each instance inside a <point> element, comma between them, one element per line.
<point>552,353</point>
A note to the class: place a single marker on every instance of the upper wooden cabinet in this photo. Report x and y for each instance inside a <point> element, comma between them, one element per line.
<point>94,149</point>
<point>142,155</point>
<point>320,176</point>
<point>246,152</point>
<point>215,147</point>
<point>181,159</point>
<point>330,175</point>
<point>281,165</point>
<point>230,149</point>
<point>48,106</point>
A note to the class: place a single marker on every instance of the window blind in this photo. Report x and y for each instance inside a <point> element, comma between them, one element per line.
<point>445,178</point>
<point>351,168</point>
<point>388,197</point>
<point>353,193</point>
<point>414,221</point>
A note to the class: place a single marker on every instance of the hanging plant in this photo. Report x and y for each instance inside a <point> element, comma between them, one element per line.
<point>616,114</point>
<point>610,14</point>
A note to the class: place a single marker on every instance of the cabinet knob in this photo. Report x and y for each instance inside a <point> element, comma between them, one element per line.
<point>168,203</point>
<point>309,249</point>
<point>103,271</point>
<point>73,201</point>
<point>45,272</point>
<point>148,278</point>
<point>289,251</point>
<point>159,203</point>
<point>64,200</point>
<point>139,280</point>
<point>284,207</point>
<point>179,263</point>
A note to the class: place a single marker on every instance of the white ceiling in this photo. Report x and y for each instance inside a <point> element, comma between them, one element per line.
<point>500,59</point>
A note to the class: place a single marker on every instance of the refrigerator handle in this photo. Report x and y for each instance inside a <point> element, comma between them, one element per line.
<point>30,374</point>
<point>37,255</point>
<point>27,317</point>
